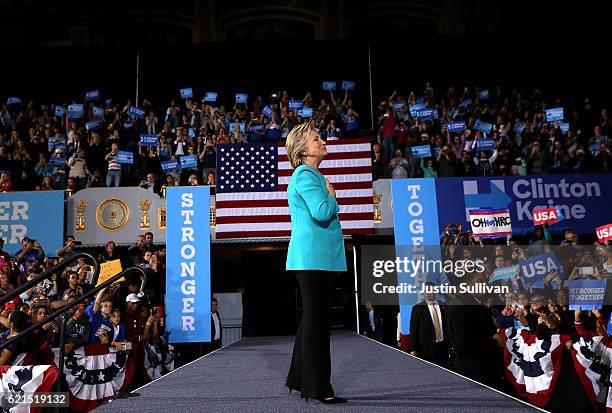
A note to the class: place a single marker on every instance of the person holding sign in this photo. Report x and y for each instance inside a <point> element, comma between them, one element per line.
<point>316,251</point>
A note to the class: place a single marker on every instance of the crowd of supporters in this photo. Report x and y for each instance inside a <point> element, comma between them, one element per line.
<point>121,316</point>
<point>524,140</point>
<point>43,148</point>
<point>32,134</point>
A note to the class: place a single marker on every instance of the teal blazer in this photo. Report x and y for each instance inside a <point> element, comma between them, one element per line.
<point>316,236</point>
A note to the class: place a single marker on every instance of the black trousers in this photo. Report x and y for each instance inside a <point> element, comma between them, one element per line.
<point>310,369</point>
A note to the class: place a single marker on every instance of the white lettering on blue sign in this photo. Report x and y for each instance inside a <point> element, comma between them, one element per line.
<point>188,270</point>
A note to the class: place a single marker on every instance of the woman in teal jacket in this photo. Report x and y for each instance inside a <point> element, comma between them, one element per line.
<point>316,251</point>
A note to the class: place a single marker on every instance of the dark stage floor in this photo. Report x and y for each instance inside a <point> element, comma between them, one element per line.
<point>249,376</point>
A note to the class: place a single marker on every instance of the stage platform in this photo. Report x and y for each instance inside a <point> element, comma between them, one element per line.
<point>249,376</point>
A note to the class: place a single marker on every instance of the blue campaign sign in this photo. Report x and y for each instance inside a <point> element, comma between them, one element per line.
<point>29,214</point>
<point>483,95</point>
<point>57,162</point>
<point>241,97</point>
<point>586,294</point>
<point>329,85</point>
<point>520,127</point>
<point>13,100</point>
<point>98,112</point>
<point>295,104</point>
<point>148,140</point>
<point>189,161</point>
<point>125,157</point>
<point>535,269</point>
<point>455,126</point>
<point>170,166</point>
<point>422,150</point>
<point>127,125</point>
<point>436,151</point>
<point>348,85</point>
<point>94,124</point>
<point>398,106</point>
<point>466,103</point>
<point>186,93</point>
<point>579,197</point>
<point>415,213</point>
<point>487,144</point>
<point>414,109</point>
<point>305,113</point>
<point>60,111</point>
<point>137,112</point>
<point>564,126</point>
<point>191,133</point>
<point>554,114</point>
<point>91,95</point>
<point>56,142</point>
<point>593,148</point>
<point>210,97</point>
<point>258,127</point>
<point>188,264</point>
<point>483,127</point>
<point>231,126</point>
<point>453,113</point>
<point>267,111</point>
<point>427,114</point>
<point>75,111</point>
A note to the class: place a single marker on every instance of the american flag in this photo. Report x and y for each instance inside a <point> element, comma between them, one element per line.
<point>251,191</point>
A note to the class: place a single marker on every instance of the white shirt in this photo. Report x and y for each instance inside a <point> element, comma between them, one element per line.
<point>399,326</point>
<point>371,315</point>
<point>429,304</point>
<point>217,327</point>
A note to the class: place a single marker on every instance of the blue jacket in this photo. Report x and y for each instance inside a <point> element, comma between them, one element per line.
<point>316,236</point>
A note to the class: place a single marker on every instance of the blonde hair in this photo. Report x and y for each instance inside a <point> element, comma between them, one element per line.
<point>296,144</point>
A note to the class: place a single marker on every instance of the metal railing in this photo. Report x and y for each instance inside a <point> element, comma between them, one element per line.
<point>61,312</point>
<point>46,273</point>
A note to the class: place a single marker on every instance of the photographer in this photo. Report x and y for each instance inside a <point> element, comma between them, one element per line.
<point>68,250</point>
<point>113,174</point>
<point>78,327</point>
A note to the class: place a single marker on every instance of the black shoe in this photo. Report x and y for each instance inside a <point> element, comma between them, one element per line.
<point>335,400</point>
<point>290,389</point>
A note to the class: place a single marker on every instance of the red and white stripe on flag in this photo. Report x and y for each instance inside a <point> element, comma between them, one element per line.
<point>592,356</point>
<point>532,365</point>
<point>25,379</point>
<point>94,373</point>
<point>348,166</point>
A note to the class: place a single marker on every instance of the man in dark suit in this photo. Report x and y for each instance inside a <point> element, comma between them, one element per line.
<point>372,323</point>
<point>428,338</point>
<point>474,339</point>
<point>215,323</point>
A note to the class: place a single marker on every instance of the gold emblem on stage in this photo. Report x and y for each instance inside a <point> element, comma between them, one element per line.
<point>377,209</point>
<point>80,208</point>
<point>145,221</point>
<point>161,218</point>
<point>112,214</point>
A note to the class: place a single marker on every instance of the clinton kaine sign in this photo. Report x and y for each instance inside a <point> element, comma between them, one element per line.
<point>582,199</point>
